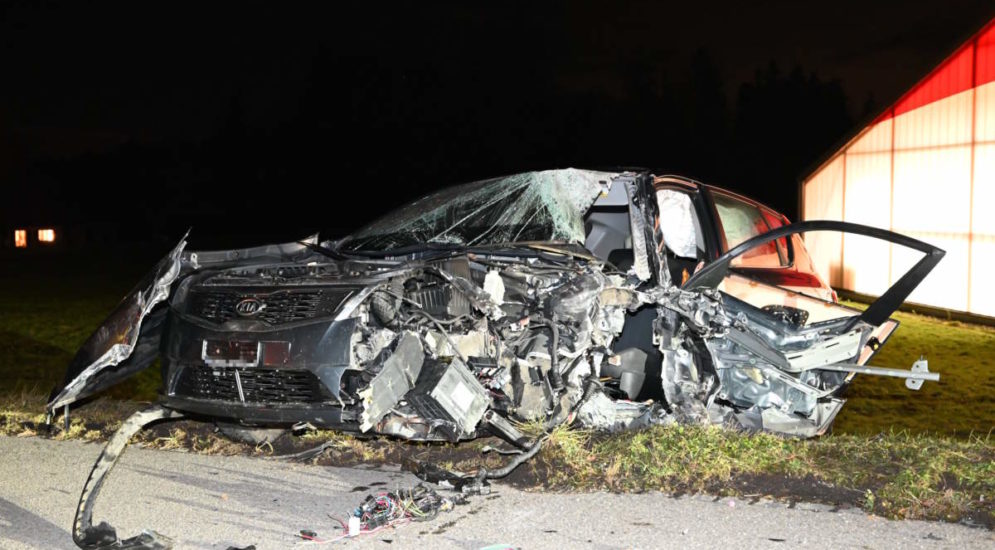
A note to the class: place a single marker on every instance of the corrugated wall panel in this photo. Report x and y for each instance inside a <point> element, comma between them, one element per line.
<point>984,129</point>
<point>868,196</point>
<point>932,193</point>
<point>939,124</point>
<point>877,139</point>
<point>932,203</point>
<point>824,201</point>
<point>982,289</point>
<point>983,238</point>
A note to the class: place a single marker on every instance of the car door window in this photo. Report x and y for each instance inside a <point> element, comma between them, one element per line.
<point>741,221</point>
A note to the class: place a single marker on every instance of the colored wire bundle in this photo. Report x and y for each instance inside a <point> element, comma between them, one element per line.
<point>389,509</point>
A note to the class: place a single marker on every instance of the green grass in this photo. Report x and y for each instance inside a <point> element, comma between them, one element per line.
<point>898,475</point>
<point>49,306</point>
<point>961,403</point>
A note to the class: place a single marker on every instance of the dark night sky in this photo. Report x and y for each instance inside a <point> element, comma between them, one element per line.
<point>206,100</point>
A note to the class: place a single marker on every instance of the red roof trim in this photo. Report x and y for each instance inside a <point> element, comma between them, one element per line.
<point>947,79</point>
<point>962,70</point>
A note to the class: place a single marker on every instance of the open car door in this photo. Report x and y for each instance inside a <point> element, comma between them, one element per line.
<point>722,275</point>
<point>782,358</point>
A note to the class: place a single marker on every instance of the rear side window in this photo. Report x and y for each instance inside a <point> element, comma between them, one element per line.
<point>741,221</point>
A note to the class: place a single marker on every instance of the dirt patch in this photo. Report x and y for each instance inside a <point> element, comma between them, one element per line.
<point>795,489</point>
<point>537,475</point>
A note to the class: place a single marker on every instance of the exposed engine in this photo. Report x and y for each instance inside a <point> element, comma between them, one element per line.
<point>441,345</point>
<point>472,342</point>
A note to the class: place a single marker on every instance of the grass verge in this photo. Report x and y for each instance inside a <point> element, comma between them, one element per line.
<point>961,404</point>
<point>896,474</point>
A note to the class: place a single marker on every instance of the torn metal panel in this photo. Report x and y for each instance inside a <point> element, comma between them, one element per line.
<point>475,343</point>
<point>755,368</point>
<point>89,536</point>
<point>816,423</point>
<point>838,349</point>
<point>600,412</point>
<point>396,377</point>
<point>118,337</point>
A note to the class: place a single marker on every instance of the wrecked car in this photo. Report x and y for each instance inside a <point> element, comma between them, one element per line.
<point>612,300</point>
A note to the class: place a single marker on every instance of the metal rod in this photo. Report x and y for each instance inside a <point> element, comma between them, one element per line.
<point>880,371</point>
<point>238,384</point>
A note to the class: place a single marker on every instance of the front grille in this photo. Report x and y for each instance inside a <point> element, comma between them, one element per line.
<point>278,307</point>
<point>259,385</point>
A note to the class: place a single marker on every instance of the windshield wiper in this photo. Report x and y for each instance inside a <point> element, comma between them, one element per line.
<point>324,251</point>
<point>565,249</point>
<point>411,249</point>
<point>534,247</point>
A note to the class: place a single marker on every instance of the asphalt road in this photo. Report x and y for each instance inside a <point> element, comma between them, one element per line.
<point>217,502</point>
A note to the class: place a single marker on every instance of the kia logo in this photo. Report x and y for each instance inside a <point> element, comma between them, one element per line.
<point>249,307</point>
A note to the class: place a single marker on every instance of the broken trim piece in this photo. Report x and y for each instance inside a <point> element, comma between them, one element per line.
<point>919,372</point>
<point>90,537</point>
<point>637,229</point>
<point>400,370</point>
<point>167,272</point>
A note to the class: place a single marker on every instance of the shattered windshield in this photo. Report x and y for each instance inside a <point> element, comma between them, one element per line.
<point>532,206</point>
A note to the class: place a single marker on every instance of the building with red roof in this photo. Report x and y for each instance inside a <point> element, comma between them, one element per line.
<point>925,168</point>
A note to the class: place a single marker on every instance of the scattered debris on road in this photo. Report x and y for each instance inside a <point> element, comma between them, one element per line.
<point>388,509</point>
